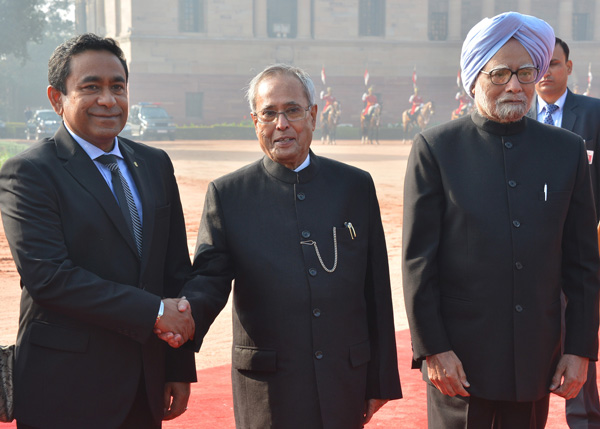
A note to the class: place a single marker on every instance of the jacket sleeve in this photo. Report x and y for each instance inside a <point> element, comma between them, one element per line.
<point>580,267</point>
<point>424,203</point>
<point>595,135</point>
<point>209,286</point>
<point>180,363</point>
<point>383,379</point>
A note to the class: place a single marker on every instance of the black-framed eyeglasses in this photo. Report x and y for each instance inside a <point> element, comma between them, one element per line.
<point>293,113</point>
<point>502,76</point>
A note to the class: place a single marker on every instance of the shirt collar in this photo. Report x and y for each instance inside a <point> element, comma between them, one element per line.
<point>286,175</point>
<point>560,102</point>
<point>92,150</point>
<point>305,164</point>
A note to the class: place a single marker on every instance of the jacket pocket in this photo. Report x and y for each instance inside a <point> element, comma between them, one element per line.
<point>254,359</point>
<point>559,196</point>
<point>58,337</point>
<point>360,354</point>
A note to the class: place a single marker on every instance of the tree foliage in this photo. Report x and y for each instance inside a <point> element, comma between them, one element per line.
<point>21,21</point>
<point>23,72</point>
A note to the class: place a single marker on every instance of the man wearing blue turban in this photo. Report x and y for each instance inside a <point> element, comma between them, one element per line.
<point>498,219</point>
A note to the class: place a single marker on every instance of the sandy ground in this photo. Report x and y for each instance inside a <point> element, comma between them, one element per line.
<point>196,164</point>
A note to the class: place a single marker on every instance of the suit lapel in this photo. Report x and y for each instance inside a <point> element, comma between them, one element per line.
<point>139,171</point>
<point>569,112</point>
<point>83,169</point>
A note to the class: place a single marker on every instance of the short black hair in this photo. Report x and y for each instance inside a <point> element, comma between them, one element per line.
<point>59,63</point>
<point>564,46</point>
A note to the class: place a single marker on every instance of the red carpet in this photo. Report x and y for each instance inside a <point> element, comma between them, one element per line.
<point>211,404</point>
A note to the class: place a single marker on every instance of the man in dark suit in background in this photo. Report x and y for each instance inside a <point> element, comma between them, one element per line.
<point>96,230</point>
<point>313,328</point>
<point>498,220</point>
<point>557,105</point>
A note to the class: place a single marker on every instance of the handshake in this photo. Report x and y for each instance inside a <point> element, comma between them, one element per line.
<point>176,326</point>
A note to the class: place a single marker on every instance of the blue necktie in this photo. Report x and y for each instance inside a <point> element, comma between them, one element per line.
<point>125,198</point>
<point>550,109</point>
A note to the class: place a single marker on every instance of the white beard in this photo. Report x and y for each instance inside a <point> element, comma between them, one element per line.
<point>501,111</point>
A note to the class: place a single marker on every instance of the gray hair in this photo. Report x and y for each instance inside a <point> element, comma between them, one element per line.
<point>279,69</point>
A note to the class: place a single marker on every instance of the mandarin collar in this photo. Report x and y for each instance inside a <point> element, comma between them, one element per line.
<point>497,128</point>
<point>286,175</point>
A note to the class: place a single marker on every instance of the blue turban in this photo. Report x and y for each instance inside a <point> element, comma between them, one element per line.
<point>490,34</point>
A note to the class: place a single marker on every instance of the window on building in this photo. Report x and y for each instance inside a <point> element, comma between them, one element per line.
<point>371,17</point>
<point>470,14</point>
<point>191,16</point>
<point>437,28</point>
<point>581,26</point>
<point>194,104</point>
<point>582,23</point>
<point>282,21</point>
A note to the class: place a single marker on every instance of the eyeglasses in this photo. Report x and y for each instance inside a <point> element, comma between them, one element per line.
<point>503,75</point>
<point>294,113</point>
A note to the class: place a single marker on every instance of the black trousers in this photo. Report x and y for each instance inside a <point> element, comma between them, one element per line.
<point>139,416</point>
<point>458,412</point>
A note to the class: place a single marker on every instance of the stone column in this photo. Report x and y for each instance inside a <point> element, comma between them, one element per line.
<point>260,18</point>
<point>454,24</point>
<point>100,20</point>
<point>303,24</point>
<point>565,20</point>
<point>596,22</point>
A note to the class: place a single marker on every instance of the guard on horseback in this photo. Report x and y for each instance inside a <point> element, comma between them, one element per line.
<point>465,104</point>
<point>370,100</point>
<point>417,102</point>
<point>370,118</point>
<point>329,99</point>
<point>419,114</point>
<point>329,120</point>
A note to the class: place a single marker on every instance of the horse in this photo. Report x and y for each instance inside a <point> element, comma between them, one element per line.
<point>329,121</point>
<point>420,119</point>
<point>465,110</point>
<point>369,125</point>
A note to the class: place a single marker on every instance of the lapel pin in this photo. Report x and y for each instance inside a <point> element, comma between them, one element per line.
<point>135,163</point>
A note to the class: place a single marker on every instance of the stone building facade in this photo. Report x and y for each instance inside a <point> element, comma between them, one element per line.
<point>196,56</point>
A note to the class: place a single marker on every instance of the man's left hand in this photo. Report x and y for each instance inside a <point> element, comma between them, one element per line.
<point>572,370</point>
<point>180,392</point>
<point>371,407</point>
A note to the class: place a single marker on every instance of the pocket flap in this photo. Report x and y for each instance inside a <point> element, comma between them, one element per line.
<point>58,337</point>
<point>254,359</point>
<point>360,354</point>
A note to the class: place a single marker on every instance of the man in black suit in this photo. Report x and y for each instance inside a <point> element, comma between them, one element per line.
<point>581,115</point>
<point>97,245</point>
<point>498,220</point>
<point>313,328</point>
